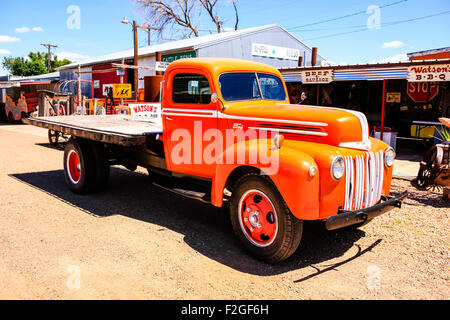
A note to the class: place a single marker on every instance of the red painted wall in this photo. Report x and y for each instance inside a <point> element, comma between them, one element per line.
<point>105,78</point>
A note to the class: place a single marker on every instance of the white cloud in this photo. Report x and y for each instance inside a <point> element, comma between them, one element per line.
<point>38,29</point>
<point>22,30</point>
<point>4,51</point>
<point>7,39</point>
<point>393,44</point>
<point>401,57</point>
<point>72,56</point>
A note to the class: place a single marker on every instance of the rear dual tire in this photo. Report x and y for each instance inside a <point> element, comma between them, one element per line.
<point>53,137</point>
<point>86,167</point>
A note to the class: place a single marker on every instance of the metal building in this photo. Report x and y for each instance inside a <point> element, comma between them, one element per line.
<point>270,44</point>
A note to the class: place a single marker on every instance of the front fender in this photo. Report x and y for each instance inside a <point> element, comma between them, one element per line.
<point>288,168</point>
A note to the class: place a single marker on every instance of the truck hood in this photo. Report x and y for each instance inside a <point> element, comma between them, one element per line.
<point>338,127</point>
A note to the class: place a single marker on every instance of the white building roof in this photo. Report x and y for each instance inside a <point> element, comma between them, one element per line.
<point>44,76</point>
<point>194,43</point>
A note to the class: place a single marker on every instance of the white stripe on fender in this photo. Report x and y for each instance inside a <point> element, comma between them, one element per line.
<point>212,113</point>
<point>197,115</point>
<point>296,122</point>
<point>303,132</point>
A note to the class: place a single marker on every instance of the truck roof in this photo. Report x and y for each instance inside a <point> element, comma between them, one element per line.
<point>216,66</point>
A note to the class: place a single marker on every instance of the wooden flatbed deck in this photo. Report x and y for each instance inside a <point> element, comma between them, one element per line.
<point>116,129</point>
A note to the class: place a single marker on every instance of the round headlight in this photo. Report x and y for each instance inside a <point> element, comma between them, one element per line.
<point>337,168</point>
<point>389,157</point>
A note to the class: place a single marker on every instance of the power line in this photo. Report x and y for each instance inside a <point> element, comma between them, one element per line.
<point>384,25</point>
<point>347,15</point>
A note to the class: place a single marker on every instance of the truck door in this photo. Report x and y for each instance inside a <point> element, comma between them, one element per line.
<point>189,117</point>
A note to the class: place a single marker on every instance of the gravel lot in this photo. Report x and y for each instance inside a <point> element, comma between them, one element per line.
<point>135,241</point>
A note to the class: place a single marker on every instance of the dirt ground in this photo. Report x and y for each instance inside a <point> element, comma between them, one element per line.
<point>135,241</point>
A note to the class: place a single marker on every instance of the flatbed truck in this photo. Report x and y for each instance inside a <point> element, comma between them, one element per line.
<point>227,135</point>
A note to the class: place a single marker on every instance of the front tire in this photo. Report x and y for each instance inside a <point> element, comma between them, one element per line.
<point>262,220</point>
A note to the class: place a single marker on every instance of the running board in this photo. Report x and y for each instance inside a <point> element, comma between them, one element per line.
<point>191,194</point>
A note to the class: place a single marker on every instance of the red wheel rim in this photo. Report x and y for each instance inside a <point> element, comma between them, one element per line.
<point>73,167</point>
<point>258,218</point>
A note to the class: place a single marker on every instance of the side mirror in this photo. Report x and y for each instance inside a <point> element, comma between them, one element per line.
<point>214,97</point>
<point>303,97</point>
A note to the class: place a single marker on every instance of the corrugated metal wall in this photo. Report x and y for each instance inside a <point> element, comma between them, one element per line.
<point>71,87</point>
<point>241,48</point>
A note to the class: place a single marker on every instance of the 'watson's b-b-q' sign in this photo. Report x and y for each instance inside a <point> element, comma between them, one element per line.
<point>429,73</point>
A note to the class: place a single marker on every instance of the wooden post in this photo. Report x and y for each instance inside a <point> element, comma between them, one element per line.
<point>79,86</point>
<point>382,109</point>
<point>136,62</point>
<point>121,80</point>
<point>318,93</point>
<point>158,58</point>
<point>314,56</point>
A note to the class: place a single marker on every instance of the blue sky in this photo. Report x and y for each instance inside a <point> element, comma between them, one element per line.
<point>343,38</point>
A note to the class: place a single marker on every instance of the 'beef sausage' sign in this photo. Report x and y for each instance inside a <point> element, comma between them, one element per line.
<point>427,73</point>
<point>317,76</point>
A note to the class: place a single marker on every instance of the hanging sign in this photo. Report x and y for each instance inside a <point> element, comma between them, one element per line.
<point>265,50</point>
<point>317,76</point>
<point>161,65</point>
<point>429,73</point>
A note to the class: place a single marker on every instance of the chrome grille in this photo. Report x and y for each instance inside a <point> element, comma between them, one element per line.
<point>363,180</point>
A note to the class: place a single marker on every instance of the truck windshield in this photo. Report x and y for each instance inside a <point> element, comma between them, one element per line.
<point>251,86</point>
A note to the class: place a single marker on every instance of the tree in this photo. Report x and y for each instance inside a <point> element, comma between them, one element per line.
<point>182,17</point>
<point>34,64</point>
<point>211,5</point>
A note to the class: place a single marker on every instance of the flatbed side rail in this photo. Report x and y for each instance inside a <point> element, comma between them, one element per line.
<point>91,134</point>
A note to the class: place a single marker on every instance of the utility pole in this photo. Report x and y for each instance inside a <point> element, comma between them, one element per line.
<point>49,47</point>
<point>149,30</point>
<point>136,62</point>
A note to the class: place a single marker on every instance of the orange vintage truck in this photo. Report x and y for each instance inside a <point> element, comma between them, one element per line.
<point>228,136</point>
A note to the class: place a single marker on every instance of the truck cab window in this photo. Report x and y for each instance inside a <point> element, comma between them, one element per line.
<point>271,86</point>
<point>239,86</point>
<point>191,88</point>
<point>251,86</point>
